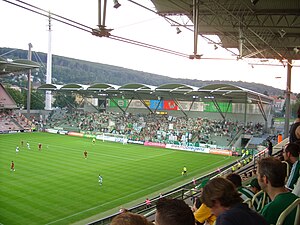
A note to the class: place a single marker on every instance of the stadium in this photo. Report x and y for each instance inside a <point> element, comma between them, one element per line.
<point>128,146</point>
<point>139,155</point>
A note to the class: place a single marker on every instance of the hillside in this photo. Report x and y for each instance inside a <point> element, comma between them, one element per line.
<point>69,70</point>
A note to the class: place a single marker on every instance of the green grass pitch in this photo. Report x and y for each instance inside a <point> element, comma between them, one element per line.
<point>58,186</point>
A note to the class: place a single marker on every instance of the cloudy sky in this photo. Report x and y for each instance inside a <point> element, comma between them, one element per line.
<point>20,27</point>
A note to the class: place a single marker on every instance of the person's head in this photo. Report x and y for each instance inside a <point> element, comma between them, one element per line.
<point>235,179</point>
<point>173,212</point>
<point>128,218</point>
<point>254,185</point>
<point>291,152</point>
<point>271,173</point>
<point>219,194</point>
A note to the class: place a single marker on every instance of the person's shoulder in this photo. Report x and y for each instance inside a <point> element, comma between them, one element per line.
<point>292,196</point>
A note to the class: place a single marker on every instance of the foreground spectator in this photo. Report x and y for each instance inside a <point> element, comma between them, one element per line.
<point>271,175</point>
<point>203,214</point>
<point>128,218</point>
<point>291,155</point>
<point>173,212</point>
<point>225,202</point>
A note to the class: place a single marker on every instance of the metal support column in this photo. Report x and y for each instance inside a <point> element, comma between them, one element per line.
<point>263,113</point>
<point>288,99</point>
<point>177,103</point>
<point>128,104</point>
<point>245,113</point>
<point>113,100</point>
<point>218,108</point>
<point>144,103</point>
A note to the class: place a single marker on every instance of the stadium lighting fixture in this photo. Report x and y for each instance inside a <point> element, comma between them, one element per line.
<point>178,31</point>
<point>116,4</point>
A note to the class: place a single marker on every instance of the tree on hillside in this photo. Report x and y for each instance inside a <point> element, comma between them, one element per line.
<point>16,95</point>
<point>294,108</point>
<point>63,100</point>
<point>36,100</point>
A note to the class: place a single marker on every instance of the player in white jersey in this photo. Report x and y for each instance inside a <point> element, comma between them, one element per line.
<point>100,179</point>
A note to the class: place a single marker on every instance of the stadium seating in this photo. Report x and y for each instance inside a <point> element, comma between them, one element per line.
<point>10,121</point>
<point>156,128</point>
<point>288,210</point>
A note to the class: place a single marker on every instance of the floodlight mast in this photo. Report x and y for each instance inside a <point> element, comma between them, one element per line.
<point>48,97</point>
<point>29,81</point>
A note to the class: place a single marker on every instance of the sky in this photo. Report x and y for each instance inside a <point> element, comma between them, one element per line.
<point>19,27</point>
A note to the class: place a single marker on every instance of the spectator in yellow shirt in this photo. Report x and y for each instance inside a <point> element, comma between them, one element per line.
<point>204,214</point>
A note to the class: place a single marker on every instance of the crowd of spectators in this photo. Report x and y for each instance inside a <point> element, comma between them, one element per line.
<point>152,127</point>
<point>10,121</point>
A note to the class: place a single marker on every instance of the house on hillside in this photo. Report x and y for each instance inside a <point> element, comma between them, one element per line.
<point>279,102</point>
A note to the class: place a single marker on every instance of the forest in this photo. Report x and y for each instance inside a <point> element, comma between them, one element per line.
<point>69,70</point>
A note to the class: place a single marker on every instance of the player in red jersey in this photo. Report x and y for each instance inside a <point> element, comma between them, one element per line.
<point>40,146</point>
<point>85,154</point>
<point>12,166</point>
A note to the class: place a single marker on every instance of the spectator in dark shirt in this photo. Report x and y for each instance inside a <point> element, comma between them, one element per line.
<point>291,155</point>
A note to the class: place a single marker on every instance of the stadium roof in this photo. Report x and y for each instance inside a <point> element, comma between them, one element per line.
<point>214,92</point>
<point>258,28</point>
<point>18,65</point>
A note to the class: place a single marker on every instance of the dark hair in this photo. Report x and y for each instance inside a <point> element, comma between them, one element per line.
<point>235,179</point>
<point>274,170</point>
<point>222,190</point>
<point>293,148</point>
<point>298,112</point>
<point>128,218</point>
<point>173,212</point>
<point>254,183</point>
